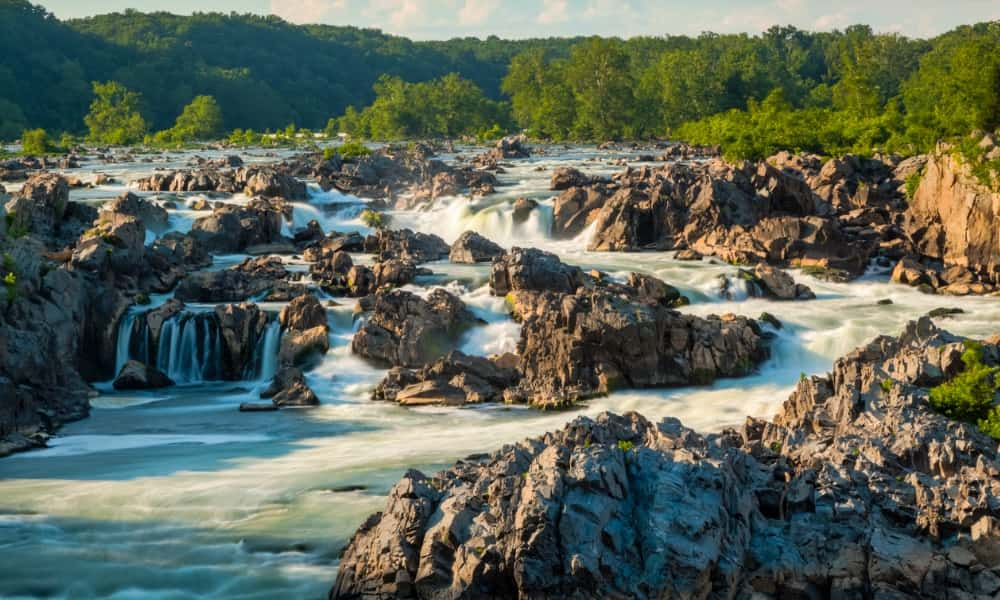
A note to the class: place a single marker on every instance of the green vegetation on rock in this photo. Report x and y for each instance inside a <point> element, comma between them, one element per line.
<point>969,396</point>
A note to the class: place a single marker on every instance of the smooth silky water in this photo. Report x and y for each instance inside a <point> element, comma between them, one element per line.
<point>176,494</point>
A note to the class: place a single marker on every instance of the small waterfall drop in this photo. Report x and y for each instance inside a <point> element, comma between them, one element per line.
<point>266,352</point>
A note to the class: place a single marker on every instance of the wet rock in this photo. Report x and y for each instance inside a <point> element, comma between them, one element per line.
<point>270,183</point>
<point>771,282</point>
<point>579,512</point>
<point>240,326</point>
<point>575,209</point>
<point>232,228</point>
<point>409,245</point>
<point>306,330</point>
<point>289,388</point>
<point>471,248</point>
<point>653,290</point>
<point>564,178</point>
<point>688,255</point>
<point>533,269</point>
<point>229,285</point>
<point>335,242</point>
<point>155,218</point>
<point>407,330</point>
<point>455,379</point>
<point>40,205</point>
<point>135,375</point>
<point>522,210</point>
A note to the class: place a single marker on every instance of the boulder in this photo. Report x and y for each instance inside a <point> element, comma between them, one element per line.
<point>771,282</point>
<point>40,205</point>
<point>289,388</point>
<point>574,210</point>
<point>409,331</point>
<point>306,330</point>
<point>240,328</point>
<point>409,245</point>
<point>136,375</point>
<point>455,379</point>
<point>471,248</point>
<point>522,210</point>
<point>270,183</point>
<point>612,505</point>
<point>533,269</point>
<point>232,228</point>
<point>155,218</point>
<point>564,178</point>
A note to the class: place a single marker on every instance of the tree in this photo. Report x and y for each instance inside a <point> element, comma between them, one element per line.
<point>598,73</point>
<point>200,120</point>
<point>114,116</point>
<point>36,141</point>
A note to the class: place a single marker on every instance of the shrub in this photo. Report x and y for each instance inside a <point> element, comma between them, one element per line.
<point>374,219</point>
<point>887,385</point>
<point>969,395</point>
<point>352,150</point>
<point>625,445</point>
<point>36,141</point>
<point>141,298</point>
<point>10,282</point>
<point>912,183</point>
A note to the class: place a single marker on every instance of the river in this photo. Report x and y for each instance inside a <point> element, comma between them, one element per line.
<point>175,494</point>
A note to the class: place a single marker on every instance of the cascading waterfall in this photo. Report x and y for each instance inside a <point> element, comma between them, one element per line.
<point>190,347</point>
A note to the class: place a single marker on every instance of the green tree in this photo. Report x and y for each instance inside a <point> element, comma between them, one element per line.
<point>598,73</point>
<point>114,116</point>
<point>200,120</point>
<point>36,141</point>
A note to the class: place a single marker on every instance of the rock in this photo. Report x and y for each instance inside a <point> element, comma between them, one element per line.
<point>564,178</point>
<point>272,184</point>
<point>574,210</point>
<point>153,217</point>
<point>289,388</point>
<point>334,242</point>
<point>135,375</point>
<point>471,248</point>
<point>581,512</point>
<point>594,341</point>
<point>522,210</point>
<point>233,228</point>
<point>406,330</point>
<point>240,327</point>
<point>393,272</point>
<point>40,205</point>
<point>653,290</point>
<point>229,285</point>
<point>258,407</point>
<point>944,312</point>
<point>306,330</point>
<point>910,272</point>
<point>455,379</point>
<point>774,283</point>
<point>409,245</point>
<point>533,269</point>
<point>688,254</point>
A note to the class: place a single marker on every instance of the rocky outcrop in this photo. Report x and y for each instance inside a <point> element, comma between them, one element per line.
<point>765,281</point>
<point>952,221</point>
<point>408,331</point>
<point>289,388</point>
<point>575,209</point>
<point>305,330</point>
<point>408,245</point>
<point>232,228</point>
<point>153,217</point>
<point>453,380</point>
<point>594,341</point>
<point>471,248</point>
<point>253,181</point>
<point>334,242</point>
<point>240,327</point>
<point>508,148</point>
<point>565,178</point>
<point>530,269</point>
<point>855,489</point>
<point>40,205</point>
<point>227,285</point>
<point>136,375</point>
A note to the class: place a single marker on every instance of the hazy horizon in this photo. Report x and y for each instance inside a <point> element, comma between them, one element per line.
<point>443,19</point>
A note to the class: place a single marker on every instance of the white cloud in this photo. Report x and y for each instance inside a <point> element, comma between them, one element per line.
<point>475,12</point>
<point>305,11</point>
<point>553,11</point>
<point>831,21</point>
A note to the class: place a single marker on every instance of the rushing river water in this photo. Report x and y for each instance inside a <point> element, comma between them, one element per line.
<point>176,494</point>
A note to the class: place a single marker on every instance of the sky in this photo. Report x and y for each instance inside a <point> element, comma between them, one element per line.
<point>442,19</point>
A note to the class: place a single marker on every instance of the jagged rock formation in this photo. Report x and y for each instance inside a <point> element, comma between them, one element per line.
<point>254,181</point>
<point>855,489</point>
<point>471,248</point>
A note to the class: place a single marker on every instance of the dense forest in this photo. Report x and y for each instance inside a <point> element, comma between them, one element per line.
<point>832,92</point>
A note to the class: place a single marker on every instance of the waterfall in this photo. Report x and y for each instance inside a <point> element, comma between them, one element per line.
<point>265,361</point>
<point>190,347</point>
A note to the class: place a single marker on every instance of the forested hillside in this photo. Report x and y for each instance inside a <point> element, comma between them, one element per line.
<point>831,92</point>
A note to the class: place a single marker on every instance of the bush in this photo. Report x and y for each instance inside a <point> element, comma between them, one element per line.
<point>625,445</point>
<point>374,219</point>
<point>352,150</point>
<point>912,183</point>
<point>36,141</point>
<point>969,395</point>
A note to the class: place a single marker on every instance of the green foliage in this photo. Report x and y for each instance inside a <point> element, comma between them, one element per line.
<point>352,150</point>
<point>969,395</point>
<point>776,447</point>
<point>200,120</point>
<point>887,384</point>
<point>450,107</point>
<point>625,445</point>
<point>374,219</point>
<point>494,133</point>
<point>142,299</point>
<point>912,183</point>
<point>36,141</point>
<point>114,115</point>
<point>10,277</point>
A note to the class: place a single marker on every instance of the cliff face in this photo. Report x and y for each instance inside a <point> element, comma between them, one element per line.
<point>953,218</point>
<point>856,489</point>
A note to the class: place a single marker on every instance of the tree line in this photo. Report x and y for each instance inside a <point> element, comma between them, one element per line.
<point>829,92</point>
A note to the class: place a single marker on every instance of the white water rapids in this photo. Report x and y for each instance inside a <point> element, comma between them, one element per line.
<point>174,494</point>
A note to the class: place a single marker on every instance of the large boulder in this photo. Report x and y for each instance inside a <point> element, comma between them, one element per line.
<point>154,217</point>
<point>40,205</point>
<point>270,183</point>
<point>455,379</point>
<point>594,341</point>
<point>409,245</point>
<point>533,269</point>
<point>470,247</point>
<point>305,330</point>
<point>574,210</point>
<point>136,375</point>
<point>857,488</point>
<point>289,388</point>
<point>564,178</point>
<point>232,228</point>
<point>409,331</point>
<point>240,327</point>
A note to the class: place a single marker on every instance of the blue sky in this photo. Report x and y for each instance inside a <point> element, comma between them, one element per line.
<point>440,19</point>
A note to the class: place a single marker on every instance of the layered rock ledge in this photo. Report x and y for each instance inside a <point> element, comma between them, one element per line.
<point>856,489</point>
